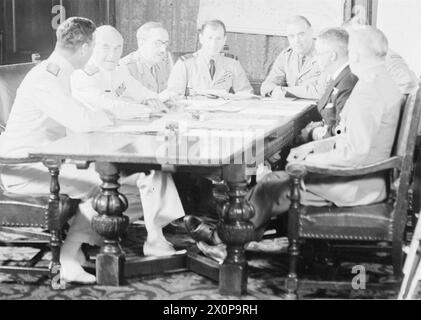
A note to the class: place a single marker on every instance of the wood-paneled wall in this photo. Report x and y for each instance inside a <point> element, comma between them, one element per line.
<point>256,52</point>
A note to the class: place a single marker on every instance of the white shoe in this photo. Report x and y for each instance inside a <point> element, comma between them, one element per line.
<point>158,248</point>
<point>72,272</point>
<point>71,257</point>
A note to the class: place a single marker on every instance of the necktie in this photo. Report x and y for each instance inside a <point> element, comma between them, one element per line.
<point>324,100</point>
<point>154,72</point>
<point>303,61</point>
<point>212,68</point>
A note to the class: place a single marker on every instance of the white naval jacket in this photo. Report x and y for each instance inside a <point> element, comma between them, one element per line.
<point>44,110</point>
<point>370,120</point>
<point>114,91</point>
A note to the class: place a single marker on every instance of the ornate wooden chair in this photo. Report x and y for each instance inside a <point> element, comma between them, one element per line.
<point>377,229</point>
<point>30,211</point>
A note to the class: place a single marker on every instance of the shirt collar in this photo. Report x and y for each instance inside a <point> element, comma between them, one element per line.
<point>339,70</point>
<point>207,58</point>
<point>64,64</point>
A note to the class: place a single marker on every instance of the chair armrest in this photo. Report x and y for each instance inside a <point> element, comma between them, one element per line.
<point>299,170</point>
<point>11,161</point>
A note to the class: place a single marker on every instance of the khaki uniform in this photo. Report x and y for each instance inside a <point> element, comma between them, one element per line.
<point>191,73</point>
<point>299,75</point>
<point>43,112</point>
<point>369,121</point>
<point>154,77</point>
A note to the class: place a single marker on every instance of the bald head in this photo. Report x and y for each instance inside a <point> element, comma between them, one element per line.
<point>300,34</point>
<point>298,20</point>
<point>367,46</point>
<point>108,47</point>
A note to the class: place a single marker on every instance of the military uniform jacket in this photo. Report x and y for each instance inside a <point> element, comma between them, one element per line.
<point>335,97</point>
<point>191,73</point>
<point>370,120</point>
<point>300,80</point>
<point>154,77</point>
<point>44,110</point>
<point>113,91</point>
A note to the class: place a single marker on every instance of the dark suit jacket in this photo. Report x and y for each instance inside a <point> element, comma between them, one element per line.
<point>337,93</point>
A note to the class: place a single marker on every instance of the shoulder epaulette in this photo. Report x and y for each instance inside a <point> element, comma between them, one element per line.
<point>289,49</point>
<point>187,57</point>
<point>229,55</point>
<point>53,69</point>
<point>90,70</point>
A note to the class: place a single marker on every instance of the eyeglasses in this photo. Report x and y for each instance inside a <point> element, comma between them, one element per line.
<point>159,43</point>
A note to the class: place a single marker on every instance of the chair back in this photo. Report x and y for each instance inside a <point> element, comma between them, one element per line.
<point>405,148</point>
<point>11,77</point>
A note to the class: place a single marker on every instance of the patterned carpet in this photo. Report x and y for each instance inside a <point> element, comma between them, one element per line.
<point>267,271</point>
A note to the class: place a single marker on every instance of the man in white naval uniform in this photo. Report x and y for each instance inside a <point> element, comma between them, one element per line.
<point>43,112</point>
<point>104,84</point>
<point>209,68</point>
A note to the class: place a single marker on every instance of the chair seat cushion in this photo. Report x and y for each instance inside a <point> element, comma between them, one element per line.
<point>30,210</point>
<point>372,222</point>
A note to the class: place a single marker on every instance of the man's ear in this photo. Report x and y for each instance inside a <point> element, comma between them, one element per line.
<point>333,56</point>
<point>84,49</point>
<point>201,38</point>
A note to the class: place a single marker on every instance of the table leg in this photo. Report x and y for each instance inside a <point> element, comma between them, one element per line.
<point>53,218</point>
<point>110,223</point>
<point>235,231</point>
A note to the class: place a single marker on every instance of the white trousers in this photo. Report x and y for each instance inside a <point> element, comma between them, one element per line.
<point>160,200</point>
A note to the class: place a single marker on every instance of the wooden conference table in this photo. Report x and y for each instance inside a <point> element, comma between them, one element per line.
<point>224,139</point>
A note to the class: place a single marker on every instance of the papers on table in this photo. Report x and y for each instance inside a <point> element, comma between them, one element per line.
<point>212,114</point>
<point>222,94</point>
<point>278,108</point>
<point>210,105</point>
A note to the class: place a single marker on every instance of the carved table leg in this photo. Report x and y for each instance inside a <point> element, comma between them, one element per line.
<point>296,173</point>
<point>110,224</point>
<point>235,231</point>
<point>53,218</point>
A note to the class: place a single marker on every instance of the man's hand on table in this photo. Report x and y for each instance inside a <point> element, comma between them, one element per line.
<point>278,93</point>
<point>156,105</point>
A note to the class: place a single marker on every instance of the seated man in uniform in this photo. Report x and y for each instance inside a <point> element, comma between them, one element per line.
<point>295,72</point>
<point>104,84</point>
<point>332,57</point>
<point>404,77</point>
<point>209,70</point>
<point>370,120</point>
<point>43,112</point>
<point>151,64</point>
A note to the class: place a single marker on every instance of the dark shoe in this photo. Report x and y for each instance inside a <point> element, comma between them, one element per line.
<point>216,252</point>
<point>200,230</point>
